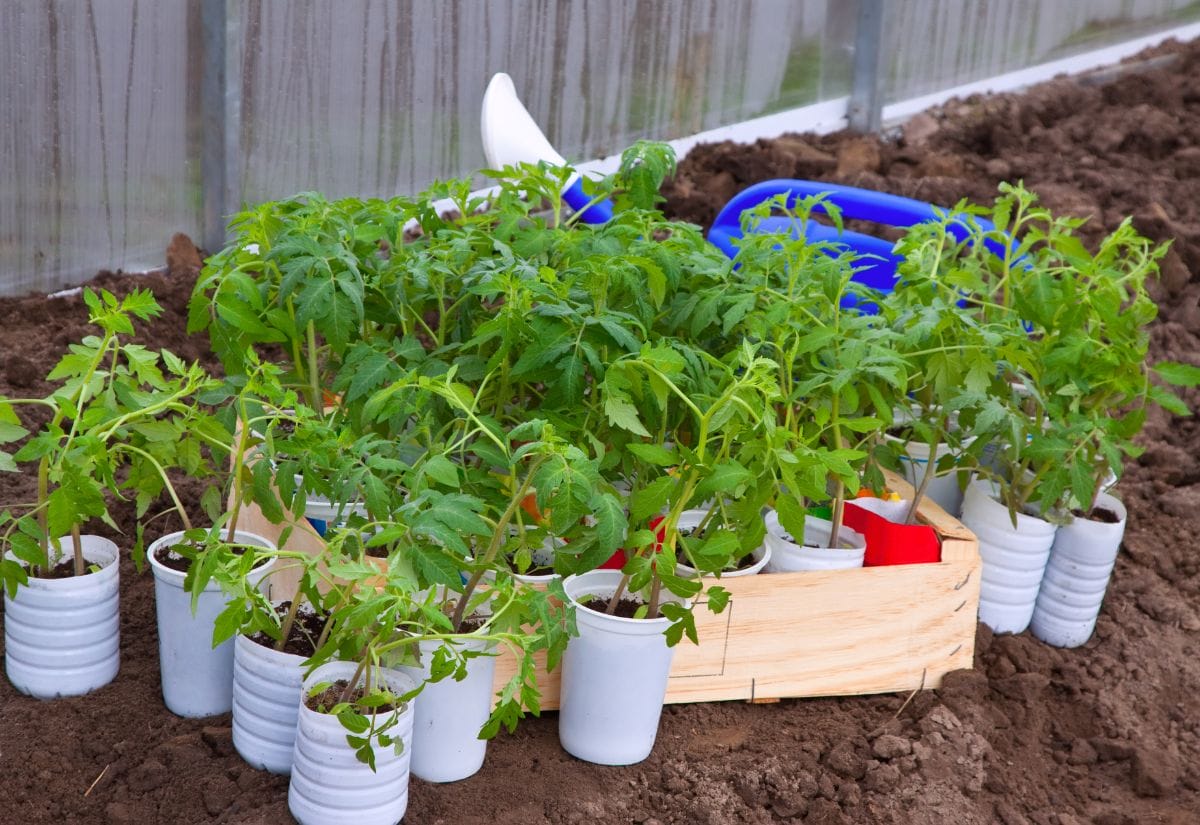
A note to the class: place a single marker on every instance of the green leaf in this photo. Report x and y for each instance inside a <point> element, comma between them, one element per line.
<point>651,499</point>
<point>611,525</point>
<point>621,413</point>
<point>10,432</point>
<point>1177,374</point>
<point>725,477</point>
<point>791,515</point>
<point>442,470</point>
<point>653,454</point>
<point>718,598</point>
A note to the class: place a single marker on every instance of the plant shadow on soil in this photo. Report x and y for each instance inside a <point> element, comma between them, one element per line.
<point>1107,734</point>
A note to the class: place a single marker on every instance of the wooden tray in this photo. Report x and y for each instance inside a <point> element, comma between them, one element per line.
<point>824,633</point>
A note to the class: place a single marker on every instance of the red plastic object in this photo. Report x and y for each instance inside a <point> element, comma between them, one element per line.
<point>890,543</point>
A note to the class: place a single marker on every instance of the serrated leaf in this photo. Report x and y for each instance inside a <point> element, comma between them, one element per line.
<point>725,477</point>
<point>442,470</point>
<point>621,413</point>
<point>651,499</point>
<point>1177,374</point>
<point>611,525</point>
<point>653,454</point>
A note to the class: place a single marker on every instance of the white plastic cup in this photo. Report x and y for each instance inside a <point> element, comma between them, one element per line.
<point>197,679</point>
<point>814,553</point>
<point>1014,560</point>
<point>447,720</point>
<point>323,515</point>
<point>942,489</point>
<point>329,786</point>
<point>266,683</point>
<point>614,678</point>
<point>1076,579</point>
<point>62,636</point>
<point>690,520</point>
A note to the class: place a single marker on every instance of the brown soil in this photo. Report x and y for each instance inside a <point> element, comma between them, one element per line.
<point>335,693</point>
<point>627,608</point>
<point>1108,734</point>
<point>306,629</point>
<point>173,559</point>
<point>1101,514</point>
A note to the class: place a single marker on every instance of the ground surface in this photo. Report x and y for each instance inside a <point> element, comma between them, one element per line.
<point>1108,734</point>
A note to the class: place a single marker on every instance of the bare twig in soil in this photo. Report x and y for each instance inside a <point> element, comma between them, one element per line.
<point>96,781</point>
<point>919,688</point>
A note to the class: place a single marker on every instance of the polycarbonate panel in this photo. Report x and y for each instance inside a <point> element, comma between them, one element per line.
<point>931,45</point>
<point>381,96</point>
<point>96,160</point>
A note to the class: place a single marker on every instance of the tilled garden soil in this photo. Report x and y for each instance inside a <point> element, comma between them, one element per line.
<point>1106,734</point>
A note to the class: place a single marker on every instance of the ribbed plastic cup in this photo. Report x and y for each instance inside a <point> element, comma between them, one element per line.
<point>266,684</point>
<point>329,785</point>
<point>62,636</point>
<point>197,679</point>
<point>1081,562</point>
<point>1014,560</point>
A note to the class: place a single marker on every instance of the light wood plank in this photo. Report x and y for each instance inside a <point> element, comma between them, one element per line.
<point>823,633</point>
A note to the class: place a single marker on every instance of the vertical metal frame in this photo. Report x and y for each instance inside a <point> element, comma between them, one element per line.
<point>865,110</point>
<point>221,106</point>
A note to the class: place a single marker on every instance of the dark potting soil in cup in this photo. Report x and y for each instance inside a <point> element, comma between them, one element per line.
<point>173,559</point>
<point>472,623</point>
<point>335,693</point>
<point>1101,514</point>
<point>626,607</point>
<point>745,561</point>
<point>535,569</point>
<point>177,561</point>
<point>65,569</point>
<point>305,632</point>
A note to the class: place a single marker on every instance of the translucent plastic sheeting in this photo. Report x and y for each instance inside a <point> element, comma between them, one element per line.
<point>98,166</point>
<point>929,45</point>
<point>379,96</point>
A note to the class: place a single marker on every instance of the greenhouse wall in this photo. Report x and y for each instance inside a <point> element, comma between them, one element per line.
<point>378,97</point>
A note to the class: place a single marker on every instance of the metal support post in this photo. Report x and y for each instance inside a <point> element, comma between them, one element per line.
<point>221,104</point>
<point>866,100</point>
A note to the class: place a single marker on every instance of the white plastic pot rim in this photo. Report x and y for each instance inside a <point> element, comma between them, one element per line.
<point>175,578</point>
<point>988,494</point>
<point>97,550</point>
<point>852,541</point>
<point>602,584</point>
<point>397,682</point>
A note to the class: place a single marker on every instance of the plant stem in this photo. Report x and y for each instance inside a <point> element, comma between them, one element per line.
<point>77,547</point>
<point>43,497</point>
<point>839,489</point>
<point>358,674</point>
<point>655,593</point>
<point>911,516</point>
<point>314,382</point>
<point>489,555</point>
<point>239,460</point>
<point>289,619</point>
<point>170,488</point>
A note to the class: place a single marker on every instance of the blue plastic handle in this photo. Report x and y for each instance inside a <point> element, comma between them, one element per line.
<point>577,199</point>
<point>878,268</point>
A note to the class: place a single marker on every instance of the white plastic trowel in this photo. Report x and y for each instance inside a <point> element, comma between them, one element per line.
<point>510,136</point>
